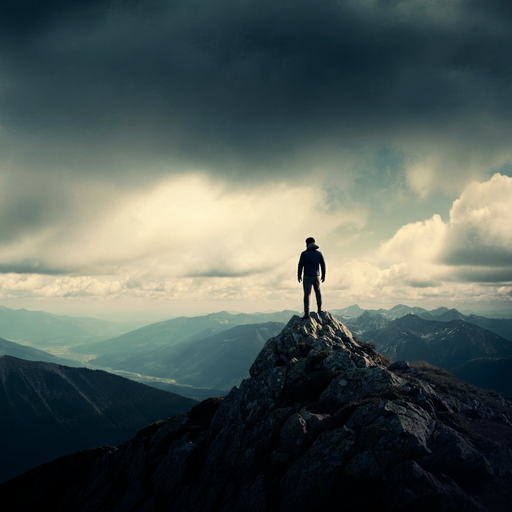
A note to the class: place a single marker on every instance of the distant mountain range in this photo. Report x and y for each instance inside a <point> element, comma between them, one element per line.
<point>474,348</point>
<point>375,319</point>
<point>444,344</point>
<point>48,410</point>
<point>172,332</point>
<point>220,361</point>
<point>44,329</point>
<point>171,350</point>
<point>391,314</point>
<point>401,310</point>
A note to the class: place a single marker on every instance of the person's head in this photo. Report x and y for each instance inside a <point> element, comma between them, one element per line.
<point>310,240</point>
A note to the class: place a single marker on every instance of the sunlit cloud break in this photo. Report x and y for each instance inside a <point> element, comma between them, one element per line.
<point>188,239</point>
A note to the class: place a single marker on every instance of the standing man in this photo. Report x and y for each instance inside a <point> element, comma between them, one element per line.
<point>311,260</point>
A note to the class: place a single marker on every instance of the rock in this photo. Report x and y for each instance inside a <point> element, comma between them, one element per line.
<point>315,473</point>
<point>252,400</point>
<point>357,383</point>
<point>410,487</point>
<point>458,458</point>
<point>293,433</point>
<point>339,360</point>
<point>399,366</point>
<point>388,434</point>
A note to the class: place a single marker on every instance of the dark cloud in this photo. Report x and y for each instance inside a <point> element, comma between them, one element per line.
<point>483,275</point>
<point>23,18</point>
<point>473,254</point>
<point>242,86</point>
<point>423,284</point>
<point>32,266</point>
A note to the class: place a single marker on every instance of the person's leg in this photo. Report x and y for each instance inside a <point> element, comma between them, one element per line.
<point>307,285</point>
<point>318,294</point>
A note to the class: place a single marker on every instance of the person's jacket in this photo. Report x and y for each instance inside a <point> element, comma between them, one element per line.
<point>311,260</point>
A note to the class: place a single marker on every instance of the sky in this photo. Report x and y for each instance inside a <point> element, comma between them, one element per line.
<point>169,157</point>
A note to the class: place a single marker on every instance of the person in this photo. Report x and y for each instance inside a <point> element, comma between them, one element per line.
<point>311,261</point>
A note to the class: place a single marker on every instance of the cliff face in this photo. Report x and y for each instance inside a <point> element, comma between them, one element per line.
<point>321,423</point>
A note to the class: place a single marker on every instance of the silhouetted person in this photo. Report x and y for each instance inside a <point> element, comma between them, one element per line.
<point>311,261</point>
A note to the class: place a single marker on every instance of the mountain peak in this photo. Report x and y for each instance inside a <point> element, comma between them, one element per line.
<point>321,333</point>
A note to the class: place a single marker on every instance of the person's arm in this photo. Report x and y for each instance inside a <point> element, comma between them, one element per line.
<point>300,268</point>
<point>322,266</point>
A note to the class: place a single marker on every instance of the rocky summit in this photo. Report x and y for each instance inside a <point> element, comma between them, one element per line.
<point>324,422</point>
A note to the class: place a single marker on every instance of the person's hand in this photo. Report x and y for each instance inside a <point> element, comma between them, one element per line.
<point>299,279</point>
<point>323,279</point>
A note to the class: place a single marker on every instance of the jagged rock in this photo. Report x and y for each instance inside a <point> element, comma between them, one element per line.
<point>356,383</point>
<point>322,332</point>
<point>410,486</point>
<point>293,432</point>
<point>339,360</point>
<point>315,473</point>
<point>252,400</point>
<point>399,366</point>
<point>458,458</point>
<point>322,423</point>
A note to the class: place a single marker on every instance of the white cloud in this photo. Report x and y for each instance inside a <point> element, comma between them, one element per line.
<point>177,239</point>
<point>479,232</point>
<point>189,239</point>
<point>444,260</point>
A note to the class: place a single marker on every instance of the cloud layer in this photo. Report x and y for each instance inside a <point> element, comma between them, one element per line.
<point>253,87</point>
<point>230,249</point>
<point>170,147</point>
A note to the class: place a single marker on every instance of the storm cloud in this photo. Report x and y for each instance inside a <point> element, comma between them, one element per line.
<point>248,86</point>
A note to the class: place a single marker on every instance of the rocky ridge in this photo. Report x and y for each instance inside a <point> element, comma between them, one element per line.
<point>323,421</point>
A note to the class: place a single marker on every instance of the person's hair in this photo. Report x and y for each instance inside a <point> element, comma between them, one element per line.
<point>310,240</point>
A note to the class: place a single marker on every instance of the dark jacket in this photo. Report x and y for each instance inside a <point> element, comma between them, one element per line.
<point>311,260</point>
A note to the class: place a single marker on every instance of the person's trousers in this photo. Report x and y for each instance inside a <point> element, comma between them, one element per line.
<point>309,282</point>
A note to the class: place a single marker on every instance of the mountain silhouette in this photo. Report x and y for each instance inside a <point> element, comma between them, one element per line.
<point>48,410</point>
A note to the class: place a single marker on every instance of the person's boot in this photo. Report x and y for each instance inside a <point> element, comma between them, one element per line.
<point>306,314</point>
<point>320,310</point>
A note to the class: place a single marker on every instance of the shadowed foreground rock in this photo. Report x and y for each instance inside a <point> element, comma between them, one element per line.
<point>321,423</point>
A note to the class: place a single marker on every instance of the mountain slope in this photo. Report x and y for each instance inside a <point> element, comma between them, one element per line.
<point>9,348</point>
<point>48,410</point>
<point>171,332</point>
<point>220,361</point>
<point>41,328</point>
<point>321,424</point>
<point>488,372</point>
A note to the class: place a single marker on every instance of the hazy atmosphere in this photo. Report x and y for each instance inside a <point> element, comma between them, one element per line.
<point>170,157</point>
